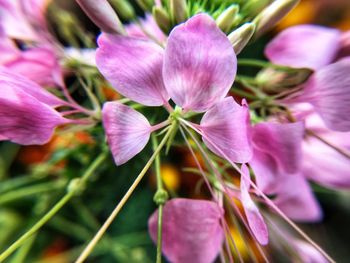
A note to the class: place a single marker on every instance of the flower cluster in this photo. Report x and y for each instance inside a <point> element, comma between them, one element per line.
<point>264,138</point>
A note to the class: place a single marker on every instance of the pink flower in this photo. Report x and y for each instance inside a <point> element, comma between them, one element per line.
<point>196,70</point>
<point>27,111</point>
<point>191,230</point>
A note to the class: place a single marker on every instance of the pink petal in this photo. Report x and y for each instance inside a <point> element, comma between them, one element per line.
<point>39,65</point>
<point>255,220</point>
<point>323,164</point>
<point>14,21</point>
<point>191,230</point>
<point>226,126</point>
<point>24,119</point>
<point>344,45</point>
<point>328,90</point>
<point>200,64</point>
<point>277,151</point>
<point>296,199</point>
<point>127,131</point>
<point>304,46</point>
<point>19,82</point>
<point>8,49</point>
<point>134,67</point>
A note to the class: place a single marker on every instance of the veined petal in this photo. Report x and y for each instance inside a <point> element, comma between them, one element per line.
<point>191,230</point>
<point>304,46</point>
<point>296,199</point>
<point>127,131</point>
<point>134,67</point>
<point>328,90</point>
<point>200,64</point>
<point>19,82</point>
<point>24,119</point>
<point>255,220</point>
<point>226,126</point>
<point>277,151</point>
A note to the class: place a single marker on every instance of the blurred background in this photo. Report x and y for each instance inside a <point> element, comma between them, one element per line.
<point>33,178</point>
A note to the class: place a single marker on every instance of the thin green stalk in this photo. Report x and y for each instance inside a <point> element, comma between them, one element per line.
<point>89,248</point>
<point>160,197</point>
<point>54,210</point>
<point>260,64</point>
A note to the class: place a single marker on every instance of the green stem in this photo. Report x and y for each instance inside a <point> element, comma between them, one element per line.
<point>163,195</point>
<point>260,64</point>
<point>89,248</point>
<point>65,199</point>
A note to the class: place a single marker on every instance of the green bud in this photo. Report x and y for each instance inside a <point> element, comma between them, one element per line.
<point>123,8</point>
<point>162,19</point>
<point>241,36</point>
<point>226,19</point>
<point>161,197</point>
<point>103,15</point>
<point>271,15</point>
<point>178,10</point>
<point>146,5</point>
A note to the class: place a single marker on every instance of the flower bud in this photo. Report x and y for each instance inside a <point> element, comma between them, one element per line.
<point>272,14</point>
<point>123,8</point>
<point>226,19</point>
<point>241,36</point>
<point>276,81</point>
<point>103,15</point>
<point>253,7</point>
<point>162,18</point>
<point>179,10</point>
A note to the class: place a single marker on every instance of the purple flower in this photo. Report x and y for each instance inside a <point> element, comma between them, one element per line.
<point>196,70</point>
<point>27,111</point>
<point>191,230</point>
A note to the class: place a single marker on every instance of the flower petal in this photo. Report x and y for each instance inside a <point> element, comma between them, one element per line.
<point>296,199</point>
<point>277,151</point>
<point>24,119</point>
<point>323,164</point>
<point>304,46</point>
<point>19,82</point>
<point>200,64</point>
<point>127,131</point>
<point>308,253</point>
<point>39,65</point>
<point>15,22</point>
<point>226,126</point>
<point>191,230</point>
<point>328,90</point>
<point>134,67</point>
<point>255,220</point>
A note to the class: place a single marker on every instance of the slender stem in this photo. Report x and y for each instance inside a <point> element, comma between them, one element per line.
<point>19,242</point>
<point>88,249</point>
<point>336,148</point>
<point>260,64</point>
<point>160,189</point>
